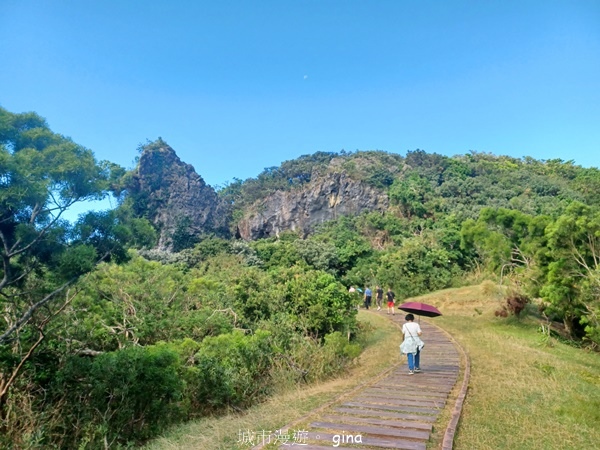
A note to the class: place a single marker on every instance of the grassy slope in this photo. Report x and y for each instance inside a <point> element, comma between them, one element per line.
<point>525,392</point>
<point>222,432</point>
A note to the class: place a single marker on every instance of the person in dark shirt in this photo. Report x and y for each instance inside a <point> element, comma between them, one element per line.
<point>379,297</point>
<point>390,301</point>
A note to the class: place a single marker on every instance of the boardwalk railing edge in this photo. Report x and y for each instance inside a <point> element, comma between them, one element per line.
<point>448,441</point>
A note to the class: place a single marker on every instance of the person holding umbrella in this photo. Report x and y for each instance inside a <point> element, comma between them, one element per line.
<point>420,309</point>
<point>412,344</point>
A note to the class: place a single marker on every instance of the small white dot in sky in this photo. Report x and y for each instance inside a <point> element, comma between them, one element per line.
<point>305,77</point>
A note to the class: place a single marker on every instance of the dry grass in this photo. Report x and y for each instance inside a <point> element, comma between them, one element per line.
<point>222,433</point>
<point>523,393</point>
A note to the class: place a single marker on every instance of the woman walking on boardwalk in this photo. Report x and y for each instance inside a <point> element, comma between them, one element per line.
<point>412,344</point>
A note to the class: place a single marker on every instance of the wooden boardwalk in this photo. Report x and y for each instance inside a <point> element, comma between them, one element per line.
<point>396,410</point>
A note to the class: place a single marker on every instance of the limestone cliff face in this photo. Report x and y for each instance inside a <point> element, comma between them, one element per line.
<point>323,199</point>
<point>174,197</point>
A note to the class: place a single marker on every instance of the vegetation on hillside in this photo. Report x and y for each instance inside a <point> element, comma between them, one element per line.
<point>94,318</point>
<point>535,223</point>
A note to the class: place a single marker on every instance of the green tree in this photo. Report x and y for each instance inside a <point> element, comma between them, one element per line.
<point>411,195</point>
<point>505,238</point>
<point>42,174</point>
<point>320,303</point>
<point>418,266</point>
<point>350,245</point>
<point>573,282</point>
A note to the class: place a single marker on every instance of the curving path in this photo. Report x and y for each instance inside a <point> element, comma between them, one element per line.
<point>395,410</point>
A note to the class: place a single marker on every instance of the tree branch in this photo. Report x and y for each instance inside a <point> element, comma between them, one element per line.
<point>88,352</point>
<point>5,337</point>
<point>14,250</point>
<point>5,385</point>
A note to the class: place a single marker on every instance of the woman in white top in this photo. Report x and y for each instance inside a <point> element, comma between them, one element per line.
<point>412,344</point>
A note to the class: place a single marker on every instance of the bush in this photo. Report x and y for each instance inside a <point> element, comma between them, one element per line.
<point>119,397</point>
<point>232,369</point>
<point>341,349</point>
<point>308,360</point>
<point>515,304</point>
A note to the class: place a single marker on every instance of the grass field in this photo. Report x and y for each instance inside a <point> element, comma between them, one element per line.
<point>526,391</point>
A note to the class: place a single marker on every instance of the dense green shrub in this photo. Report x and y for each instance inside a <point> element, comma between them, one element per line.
<point>233,369</point>
<point>118,397</point>
<point>320,303</point>
<point>341,350</point>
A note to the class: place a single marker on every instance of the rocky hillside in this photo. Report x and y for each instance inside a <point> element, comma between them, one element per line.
<point>175,198</point>
<point>301,209</point>
<point>303,193</point>
<point>178,202</point>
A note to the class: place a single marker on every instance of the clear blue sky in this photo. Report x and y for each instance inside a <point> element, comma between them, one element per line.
<point>237,86</point>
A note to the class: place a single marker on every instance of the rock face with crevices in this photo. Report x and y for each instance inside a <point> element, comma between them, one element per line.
<point>183,207</point>
<point>175,198</point>
<point>302,209</point>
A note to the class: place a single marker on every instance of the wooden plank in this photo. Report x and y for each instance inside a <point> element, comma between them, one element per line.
<point>403,376</point>
<point>416,383</point>
<point>397,393</point>
<point>423,376</point>
<point>372,441</point>
<point>437,374</point>
<point>386,423</point>
<point>394,415</point>
<point>411,381</point>
<point>432,372</point>
<point>401,401</point>
<point>418,387</point>
<point>441,397</point>
<point>412,409</point>
<point>403,373</point>
<point>373,431</point>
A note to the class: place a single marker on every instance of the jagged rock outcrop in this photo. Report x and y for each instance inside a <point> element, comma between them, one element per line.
<point>175,198</point>
<point>323,199</point>
<point>183,207</point>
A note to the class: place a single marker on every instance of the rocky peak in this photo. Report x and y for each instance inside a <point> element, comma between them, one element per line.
<point>174,197</point>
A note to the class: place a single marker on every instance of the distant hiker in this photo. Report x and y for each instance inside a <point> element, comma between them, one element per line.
<point>379,297</point>
<point>412,344</point>
<point>352,291</point>
<point>390,301</point>
<point>368,295</point>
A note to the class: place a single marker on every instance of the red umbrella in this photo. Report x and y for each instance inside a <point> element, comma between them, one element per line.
<point>420,309</point>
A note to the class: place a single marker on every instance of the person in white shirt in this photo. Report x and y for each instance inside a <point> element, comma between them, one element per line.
<point>412,344</point>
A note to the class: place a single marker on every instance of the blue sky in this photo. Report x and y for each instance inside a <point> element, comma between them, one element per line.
<point>237,86</point>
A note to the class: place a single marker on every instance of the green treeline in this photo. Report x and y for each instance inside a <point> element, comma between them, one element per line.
<point>105,341</point>
<point>100,347</point>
